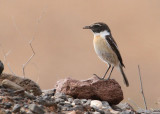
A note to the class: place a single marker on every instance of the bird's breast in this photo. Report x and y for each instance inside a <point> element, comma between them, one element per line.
<point>103,50</point>
<point>100,44</point>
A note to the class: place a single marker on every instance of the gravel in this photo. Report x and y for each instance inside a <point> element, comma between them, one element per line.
<point>52,103</point>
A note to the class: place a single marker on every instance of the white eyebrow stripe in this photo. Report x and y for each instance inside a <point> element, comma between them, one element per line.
<point>98,24</point>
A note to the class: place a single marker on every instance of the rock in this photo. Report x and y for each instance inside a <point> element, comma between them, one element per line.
<point>114,112</point>
<point>7,105</point>
<point>70,100</point>
<point>8,112</point>
<point>77,102</point>
<point>127,112</point>
<point>93,88</point>
<point>88,102</point>
<point>124,106</point>
<point>60,95</point>
<point>25,83</point>
<point>96,103</point>
<point>58,100</point>
<point>96,113</point>
<point>105,105</point>
<point>49,92</point>
<point>16,108</point>
<point>83,101</point>
<point>1,67</point>
<point>1,99</point>
<point>143,111</point>
<point>36,109</point>
<point>78,107</point>
<point>9,84</point>
<point>29,95</point>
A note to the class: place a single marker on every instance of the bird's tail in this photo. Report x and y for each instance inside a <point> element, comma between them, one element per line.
<point>124,76</point>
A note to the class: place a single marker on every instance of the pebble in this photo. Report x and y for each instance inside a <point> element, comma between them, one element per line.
<point>70,100</point>
<point>8,111</point>
<point>60,95</point>
<point>144,111</point>
<point>88,102</point>
<point>58,100</point>
<point>67,105</point>
<point>96,103</point>
<point>83,101</point>
<point>16,108</point>
<point>78,107</point>
<point>105,105</point>
<point>36,109</point>
<point>1,99</point>
<point>7,105</point>
<point>96,113</point>
<point>77,101</point>
<point>127,112</point>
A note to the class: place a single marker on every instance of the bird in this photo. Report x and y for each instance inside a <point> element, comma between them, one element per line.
<point>107,50</point>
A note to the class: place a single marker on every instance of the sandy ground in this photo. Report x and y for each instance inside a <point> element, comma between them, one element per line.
<point>64,49</point>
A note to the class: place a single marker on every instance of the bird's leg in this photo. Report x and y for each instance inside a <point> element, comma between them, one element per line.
<point>110,73</point>
<point>106,71</point>
<point>104,74</point>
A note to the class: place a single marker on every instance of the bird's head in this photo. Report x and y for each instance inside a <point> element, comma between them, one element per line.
<point>98,27</point>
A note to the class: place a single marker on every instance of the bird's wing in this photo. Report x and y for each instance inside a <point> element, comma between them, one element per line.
<point>114,47</point>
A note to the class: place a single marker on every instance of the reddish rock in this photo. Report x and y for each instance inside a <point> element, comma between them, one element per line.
<point>93,88</point>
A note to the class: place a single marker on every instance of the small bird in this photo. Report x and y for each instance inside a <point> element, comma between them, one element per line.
<point>106,48</point>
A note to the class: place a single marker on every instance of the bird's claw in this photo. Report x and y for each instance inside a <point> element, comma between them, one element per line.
<point>101,78</point>
<point>98,77</point>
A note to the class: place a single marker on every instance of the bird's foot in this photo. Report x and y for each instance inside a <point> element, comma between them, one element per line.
<point>98,77</point>
<point>106,79</point>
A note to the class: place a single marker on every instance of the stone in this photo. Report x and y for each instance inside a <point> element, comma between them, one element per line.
<point>1,67</point>
<point>36,109</point>
<point>78,107</point>
<point>11,85</point>
<point>16,108</point>
<point>77,102</point>
<point>127,112</point>
<point>96,103</point>
<point>143,111</point>
<point>49,92</point>
<point>60,95</point>
<point>58,100</point>
<point>70,100</point>
<point>83,101</point>
<point>8,112</point>
<point>105,104</point>
<point>96,113</point>
<point>25,83</point>
<point>87,103</point>
<point>124,106</point>
<point>7,105</point>
<point>93,88</point>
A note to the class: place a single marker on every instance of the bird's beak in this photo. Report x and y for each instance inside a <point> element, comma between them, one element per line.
<point>87,27</point>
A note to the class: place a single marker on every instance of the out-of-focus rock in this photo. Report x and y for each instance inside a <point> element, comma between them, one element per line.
<point>1,67</point>
<point>36,109</point>
<point>26,84</point>
<point>16,108</point>
<point>93,88</point>
<point>96,103</point>
<point>9,84</point>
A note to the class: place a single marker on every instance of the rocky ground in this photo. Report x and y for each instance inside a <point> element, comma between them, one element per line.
<point>16,98</point>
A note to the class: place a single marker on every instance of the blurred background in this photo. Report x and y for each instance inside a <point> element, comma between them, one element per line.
<point>63,49</point>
